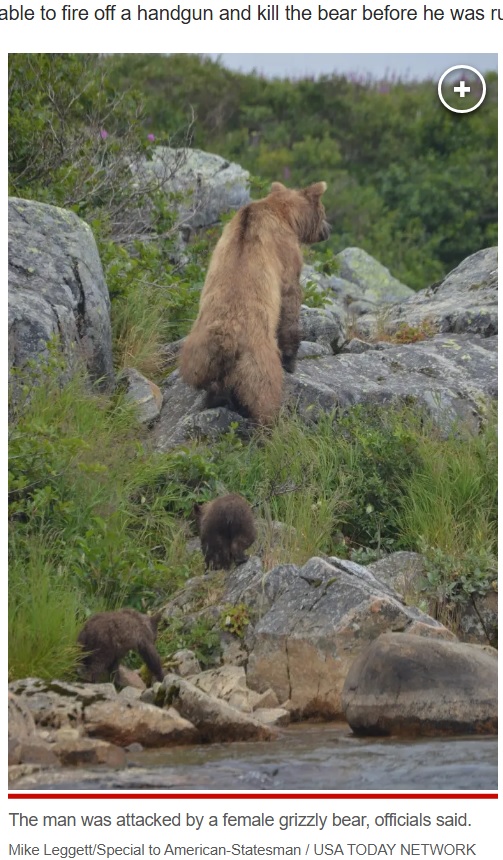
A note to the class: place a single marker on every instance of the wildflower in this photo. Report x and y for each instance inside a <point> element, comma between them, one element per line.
<point>151,137</point>
<point>103,134</point>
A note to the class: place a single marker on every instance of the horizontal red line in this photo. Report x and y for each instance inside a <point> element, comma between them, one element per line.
<point>265,796</point>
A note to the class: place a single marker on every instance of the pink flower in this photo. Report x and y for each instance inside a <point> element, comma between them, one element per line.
<point>103,134</point>
<point>151,137</point>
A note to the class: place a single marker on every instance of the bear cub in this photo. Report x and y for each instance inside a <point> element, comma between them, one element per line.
<point>226,527</point>
<point>108,636</point>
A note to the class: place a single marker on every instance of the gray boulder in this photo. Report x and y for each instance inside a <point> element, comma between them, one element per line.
<point>323,326</point>
<point>375,282</point>
<point>207,185</point>
<point>215,719</point>
<point>183,417</point>
<point>465,301</point>
<point>125,721</point>
<point>402,571</point>
<point>407,685</point>
<point>452,377</point>
<point>57,289</point>
<point>312,622</point>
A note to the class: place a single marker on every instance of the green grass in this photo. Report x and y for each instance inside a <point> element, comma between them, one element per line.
<point>99,521</point>
<point>45,613</point>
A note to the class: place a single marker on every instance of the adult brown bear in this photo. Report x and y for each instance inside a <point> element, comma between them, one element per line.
<point>247,329</point>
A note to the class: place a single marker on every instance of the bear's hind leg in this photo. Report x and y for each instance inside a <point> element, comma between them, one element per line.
<point>288,333</point>
<point>257,382</point>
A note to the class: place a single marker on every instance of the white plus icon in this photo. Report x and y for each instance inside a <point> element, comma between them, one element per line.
<point>462,89</point>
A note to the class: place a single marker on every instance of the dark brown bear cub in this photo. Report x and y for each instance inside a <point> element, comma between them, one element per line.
<point>226,528</point>
<point>108,636</point>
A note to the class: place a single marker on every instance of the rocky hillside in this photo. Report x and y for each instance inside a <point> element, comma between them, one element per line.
<point>282,641</point>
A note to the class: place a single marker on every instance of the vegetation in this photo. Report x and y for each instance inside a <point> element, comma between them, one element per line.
<point>96,519</point>
<point>98,522</point>
<point>410,182</point>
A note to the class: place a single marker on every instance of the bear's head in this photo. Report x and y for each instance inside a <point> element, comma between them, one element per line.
<point>306,211</point>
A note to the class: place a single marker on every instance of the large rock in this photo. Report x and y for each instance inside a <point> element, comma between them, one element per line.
<point>183,417</point>
<point>465,301</point>
<point>207,184</point>
<point>313,622</point>
<point>408,685</point>
<point>361,285</point>
<point>373,279</point>
<point>57,288</point>
<point>215,720</point>
<point>123,722</point>
<point>451,376</point>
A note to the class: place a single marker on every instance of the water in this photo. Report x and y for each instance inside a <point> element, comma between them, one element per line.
<point>305,757</point>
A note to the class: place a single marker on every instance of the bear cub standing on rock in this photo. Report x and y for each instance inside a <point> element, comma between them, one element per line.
<point>226,528</point>
<point>247,329</point>
<point>108,636</point>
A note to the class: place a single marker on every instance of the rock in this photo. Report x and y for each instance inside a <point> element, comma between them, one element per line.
<point>323,326</point>
<point>309,349</point>
<point>341,291</point>
<point>207,184</point>
<point>132,694</point>
<point>478,622</point>
<point>57,288</point>
<point>227,683</point>
<point>231,649</point>
<point>314,622</point>
<point>465,301</point>
<point>33,751</point>
<point>215,720</point>
<point>249,584</point>
<point>356,346</point>
<point>88,751</point>
<point>185,663</point>
<point>265,701</point>
<point>474,621</point>
<point>375,281</point>
<point>126,678</point>
<point>20,720</point>
<point>183,417</point>
<point>125,722</point>
<point>53,711</point>
<point>402,571</point>
<point>272,716</point>
<point>141,391</point>
<point>450,376</point>
<point>408,685</point>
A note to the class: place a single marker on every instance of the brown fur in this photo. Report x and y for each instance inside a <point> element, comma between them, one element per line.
<point>247,329</point>
<point>108,636</point>
<point>226,528</point>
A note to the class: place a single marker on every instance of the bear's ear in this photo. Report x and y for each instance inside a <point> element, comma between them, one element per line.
<point>277,186</point>
<point>316,189</point>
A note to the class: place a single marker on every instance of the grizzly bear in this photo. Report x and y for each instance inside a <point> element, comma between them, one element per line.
<point>108,636</point>
<point>226,528</point>
<point>247,329</point>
